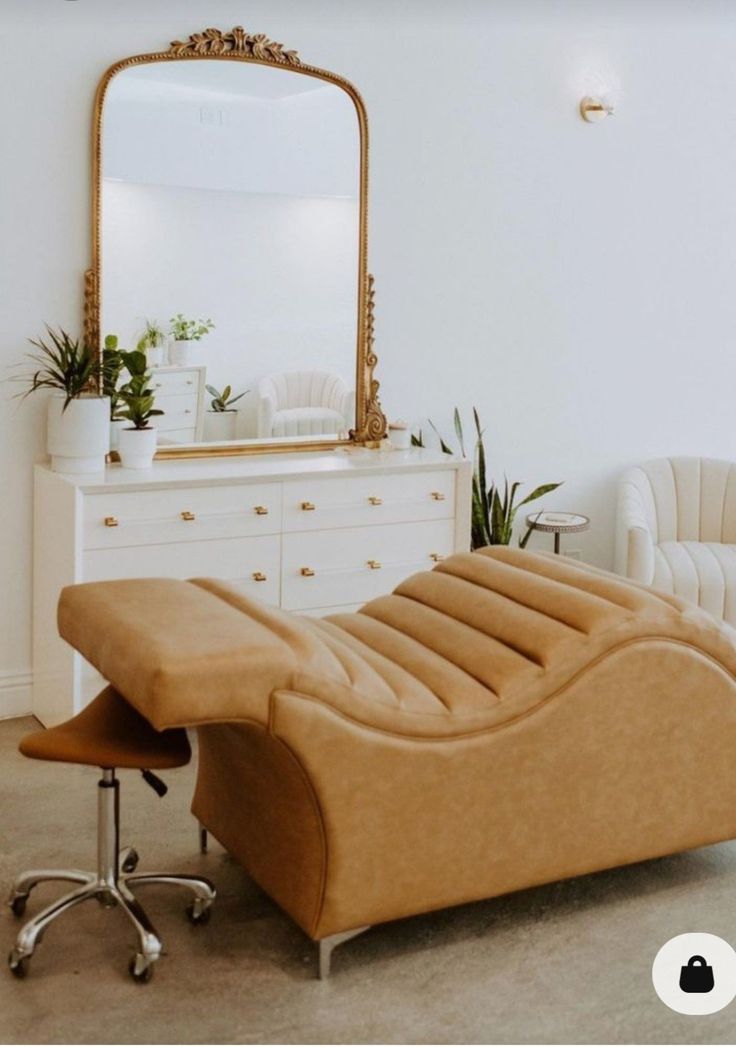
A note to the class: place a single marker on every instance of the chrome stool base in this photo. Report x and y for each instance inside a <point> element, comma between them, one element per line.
<point>111,885</point>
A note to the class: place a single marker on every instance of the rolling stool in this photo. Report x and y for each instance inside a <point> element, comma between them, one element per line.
<point>109,734</point>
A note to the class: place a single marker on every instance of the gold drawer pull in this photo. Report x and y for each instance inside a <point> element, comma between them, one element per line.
<point>186,515</point>
<point>111,521</point>
<point>308,506</point>
<point>376,501</point>
<point>436,557</point>
<point>438,496</point>
<point>260,510</point>
<point>375,565</point>
<point>307,572</point>
<point>259,576</point>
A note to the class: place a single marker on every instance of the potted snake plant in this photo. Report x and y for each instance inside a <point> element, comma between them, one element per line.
<point>78,427</point>
<point>221,419</point>
<point>137,441</point>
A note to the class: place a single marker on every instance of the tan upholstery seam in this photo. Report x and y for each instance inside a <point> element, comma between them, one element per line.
<point>317,809</point>
<point>519,603</point>
<point>445,738</point>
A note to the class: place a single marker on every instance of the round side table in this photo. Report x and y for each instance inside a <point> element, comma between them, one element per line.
<point>557,524</point>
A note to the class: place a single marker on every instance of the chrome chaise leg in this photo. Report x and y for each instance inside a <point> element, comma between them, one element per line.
<point>326,947</point>
<point>110,884</point>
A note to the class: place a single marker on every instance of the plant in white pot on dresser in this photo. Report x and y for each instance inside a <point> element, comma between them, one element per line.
<point>112,370</point>
<point>222,418</point>
<point>137,441</point>
<point>153,343</point>
<point>78,418</point>
<point>187,334</point>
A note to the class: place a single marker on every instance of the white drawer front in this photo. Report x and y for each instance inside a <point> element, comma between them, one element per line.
<point>180,412</point>
<point>358,564</point>
<point>175,383</point>
<point>356,501</point>
<point>134,518</point>
<point>252,562</point>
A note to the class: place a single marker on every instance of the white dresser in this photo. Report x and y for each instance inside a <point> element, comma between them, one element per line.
<point>180,395</point>
<point>313,533</point>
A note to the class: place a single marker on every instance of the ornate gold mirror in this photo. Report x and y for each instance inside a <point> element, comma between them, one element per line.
<point>230,244</point>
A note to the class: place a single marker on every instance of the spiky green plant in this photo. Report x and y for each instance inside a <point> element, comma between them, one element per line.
<point>62,363</point>
<point>136,395</point>
<point>493,512</point>
<point>223,401</point>
<point>152,337</point>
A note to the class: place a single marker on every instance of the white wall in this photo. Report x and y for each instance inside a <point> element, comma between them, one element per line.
<point>574,281</point>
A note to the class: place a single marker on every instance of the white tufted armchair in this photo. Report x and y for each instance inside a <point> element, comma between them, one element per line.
<point>676,530</point>
<point>304,403</point>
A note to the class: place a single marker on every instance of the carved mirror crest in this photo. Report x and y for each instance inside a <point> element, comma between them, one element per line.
<point>229,223</point>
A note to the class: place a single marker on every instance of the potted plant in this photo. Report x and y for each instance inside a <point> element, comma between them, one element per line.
<point>112,369</point>
<point>186,334</point>
<point>492,513</point>
<point>153,343</point>
<point>137,441</point>
<point>78,418</point>
<point>221,420</point>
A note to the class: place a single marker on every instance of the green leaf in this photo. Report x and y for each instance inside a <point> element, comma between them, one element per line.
<point>539,492</point>
<point>459,431</point>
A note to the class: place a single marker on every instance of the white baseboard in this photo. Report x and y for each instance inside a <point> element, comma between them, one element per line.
<point>15,694</point>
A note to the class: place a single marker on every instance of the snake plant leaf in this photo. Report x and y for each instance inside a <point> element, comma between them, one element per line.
<point>459,431</point>
<point>539,492</point>
<point>443,445</point>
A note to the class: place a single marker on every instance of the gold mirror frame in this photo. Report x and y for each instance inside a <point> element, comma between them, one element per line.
<point>238,45</point>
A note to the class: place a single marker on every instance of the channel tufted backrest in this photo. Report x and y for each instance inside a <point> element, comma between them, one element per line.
<point>684,499</point>
<point>292,389</point>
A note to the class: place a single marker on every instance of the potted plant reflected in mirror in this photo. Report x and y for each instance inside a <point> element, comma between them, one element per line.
<point>221,420</point>
<point>137,440</point>
<point>153,343</point>
<point>112,370</point>
<point>78,418</point>
<point>184,350</point>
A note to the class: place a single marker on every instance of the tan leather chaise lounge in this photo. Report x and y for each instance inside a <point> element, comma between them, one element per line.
<point>504,720</point>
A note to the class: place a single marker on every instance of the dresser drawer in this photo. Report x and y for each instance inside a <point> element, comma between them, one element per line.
<point>134,518</point>
<point>180,412</point>
<point>176,383</point>
<point>355,501</point>
<point>251,562</point>
<point>320,570</point>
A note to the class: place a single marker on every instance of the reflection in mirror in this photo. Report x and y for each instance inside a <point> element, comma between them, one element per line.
<point>230,234</point>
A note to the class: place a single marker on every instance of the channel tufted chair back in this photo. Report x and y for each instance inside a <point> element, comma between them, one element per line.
<point>302,403</point>
<point>676,530</point>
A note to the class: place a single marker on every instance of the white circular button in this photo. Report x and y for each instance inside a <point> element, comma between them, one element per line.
<point>695,973</point>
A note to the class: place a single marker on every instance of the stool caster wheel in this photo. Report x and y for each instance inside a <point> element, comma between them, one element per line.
<point>18,964</point>
<point>140,968</point>
<point>199,911</point>
<point>129,863</point>
<point>18,904</point>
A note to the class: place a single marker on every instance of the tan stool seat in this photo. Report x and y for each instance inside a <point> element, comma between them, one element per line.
<point>109,733</point>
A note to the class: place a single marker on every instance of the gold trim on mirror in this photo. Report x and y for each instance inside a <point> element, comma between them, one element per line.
<point>238,45</point>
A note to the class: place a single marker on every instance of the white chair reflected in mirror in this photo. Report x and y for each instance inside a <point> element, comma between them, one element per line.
<point>304,403</point>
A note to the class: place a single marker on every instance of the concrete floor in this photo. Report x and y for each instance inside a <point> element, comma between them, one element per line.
<point>567,963</point>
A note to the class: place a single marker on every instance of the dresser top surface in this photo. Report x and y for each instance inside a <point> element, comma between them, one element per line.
<point>357,461</point>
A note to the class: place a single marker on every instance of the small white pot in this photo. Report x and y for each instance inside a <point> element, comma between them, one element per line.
<point>220,425</point>
<point>400,438</point>
<point>115,426</point>
<point>156,355</point>
<point>78,438</point>
<point>184,353</point>
<point>137,447</point>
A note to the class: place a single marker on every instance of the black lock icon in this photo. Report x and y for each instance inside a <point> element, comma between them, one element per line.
<point>697,976</point>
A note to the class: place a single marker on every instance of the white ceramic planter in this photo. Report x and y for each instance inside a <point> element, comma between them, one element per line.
<point>115,427</point>
<point>137,447</point>
<point>220,425</point>
<point>184,353</point>
<point>400,438</point>
<point>78,438</point>
<point>156,356</point>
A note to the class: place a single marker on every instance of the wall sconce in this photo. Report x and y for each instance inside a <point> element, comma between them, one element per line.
<point>593,110</point>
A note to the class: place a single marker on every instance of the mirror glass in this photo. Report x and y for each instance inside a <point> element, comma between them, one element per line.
<point>230,231</point>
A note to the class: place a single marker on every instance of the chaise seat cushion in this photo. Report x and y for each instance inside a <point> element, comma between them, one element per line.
<point>475,643</point>
<point>702,572</point>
